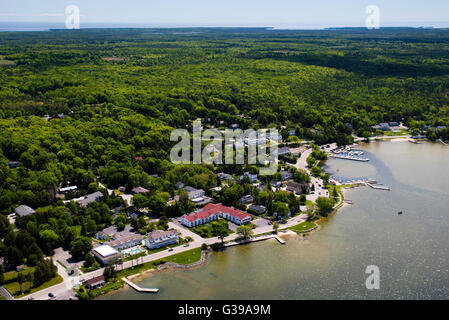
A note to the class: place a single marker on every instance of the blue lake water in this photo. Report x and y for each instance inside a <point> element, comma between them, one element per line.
<point>411,250</point>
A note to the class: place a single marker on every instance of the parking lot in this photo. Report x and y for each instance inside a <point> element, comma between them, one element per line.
<point>113,230</point>
<point>261,222</point>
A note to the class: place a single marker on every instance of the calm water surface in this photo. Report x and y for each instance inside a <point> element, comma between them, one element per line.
<point>411,250</point>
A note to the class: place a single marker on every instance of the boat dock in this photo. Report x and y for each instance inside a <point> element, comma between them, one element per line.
<point>346,157</point>
<point>255,239</point>
<point>139,289</point>
<point>377,187</point>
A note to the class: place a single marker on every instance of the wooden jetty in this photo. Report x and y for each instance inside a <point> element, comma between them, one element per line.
<point>137,288</point>
<point>377,187</point>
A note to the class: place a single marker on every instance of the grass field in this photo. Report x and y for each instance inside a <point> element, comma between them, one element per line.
<point>14,287</point>
<point>12,275</point>
<point>302,227</point>
<point>186,257</point>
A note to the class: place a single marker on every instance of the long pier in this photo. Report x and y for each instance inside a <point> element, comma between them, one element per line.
<point>255,239</point>
<point>377,187</point>
<point>353,158</point>
<point>137,288</point>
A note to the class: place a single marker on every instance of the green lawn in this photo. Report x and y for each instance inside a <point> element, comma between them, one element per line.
<point>186,257</point>
<point>2,297</point>
<point>309,202</point>
<point>14,287</point>
<point>206,230</point>
<point>12,275</point>
<point>109,286</point>
<point>305,226</point>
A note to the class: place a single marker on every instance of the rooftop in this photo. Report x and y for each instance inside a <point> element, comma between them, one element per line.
<point>105,251</point>
<point>212,208</point>
<point>156,234</point>
<point>95,280</point>
<point>139,190</point>
<point>90,198</point>
<point>23,211</point>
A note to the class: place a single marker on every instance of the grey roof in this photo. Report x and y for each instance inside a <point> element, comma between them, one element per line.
<point>139,190</point>
<point>257,208</point>
<point>23,211</point>
<point>90,198</point>
<point>157,234</point>
<point>189,188</point>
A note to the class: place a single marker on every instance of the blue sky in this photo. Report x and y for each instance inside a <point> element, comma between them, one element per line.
<point>230,12</point>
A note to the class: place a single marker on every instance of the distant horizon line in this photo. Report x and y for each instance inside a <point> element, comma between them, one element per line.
<point>6,26</point>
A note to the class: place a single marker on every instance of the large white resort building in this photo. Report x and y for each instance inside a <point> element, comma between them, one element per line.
<point>159,238</point>
<point>211,212</point>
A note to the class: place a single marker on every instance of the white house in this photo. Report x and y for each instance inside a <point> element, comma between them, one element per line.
<point>160,238</point>
<point>194,193</point>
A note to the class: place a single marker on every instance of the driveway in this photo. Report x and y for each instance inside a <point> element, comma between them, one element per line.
<point>66,258</point>
<point>124,233</point>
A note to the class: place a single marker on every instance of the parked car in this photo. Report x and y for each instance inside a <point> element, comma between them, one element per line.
<point>186,245</point>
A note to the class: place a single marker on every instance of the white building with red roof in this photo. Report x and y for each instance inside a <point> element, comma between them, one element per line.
<point>211,212</point>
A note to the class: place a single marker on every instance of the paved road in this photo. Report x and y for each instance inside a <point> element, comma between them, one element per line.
<point>6,294</point>
<point>64,289</point>
<point>302,164</point>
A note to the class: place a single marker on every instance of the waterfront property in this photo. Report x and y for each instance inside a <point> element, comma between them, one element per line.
<point>126,242</point>
<point>96,282</point>
<point>159,238</point>
<point>106,254</point>
<point>212,212</point>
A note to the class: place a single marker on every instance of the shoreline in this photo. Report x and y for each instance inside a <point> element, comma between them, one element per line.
<point>139,277</point>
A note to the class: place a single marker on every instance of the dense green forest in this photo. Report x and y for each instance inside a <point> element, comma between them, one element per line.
<point>120,92</point>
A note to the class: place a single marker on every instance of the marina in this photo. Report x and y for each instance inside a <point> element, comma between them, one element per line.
<point>349,154</point>
<point>303,267</point>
